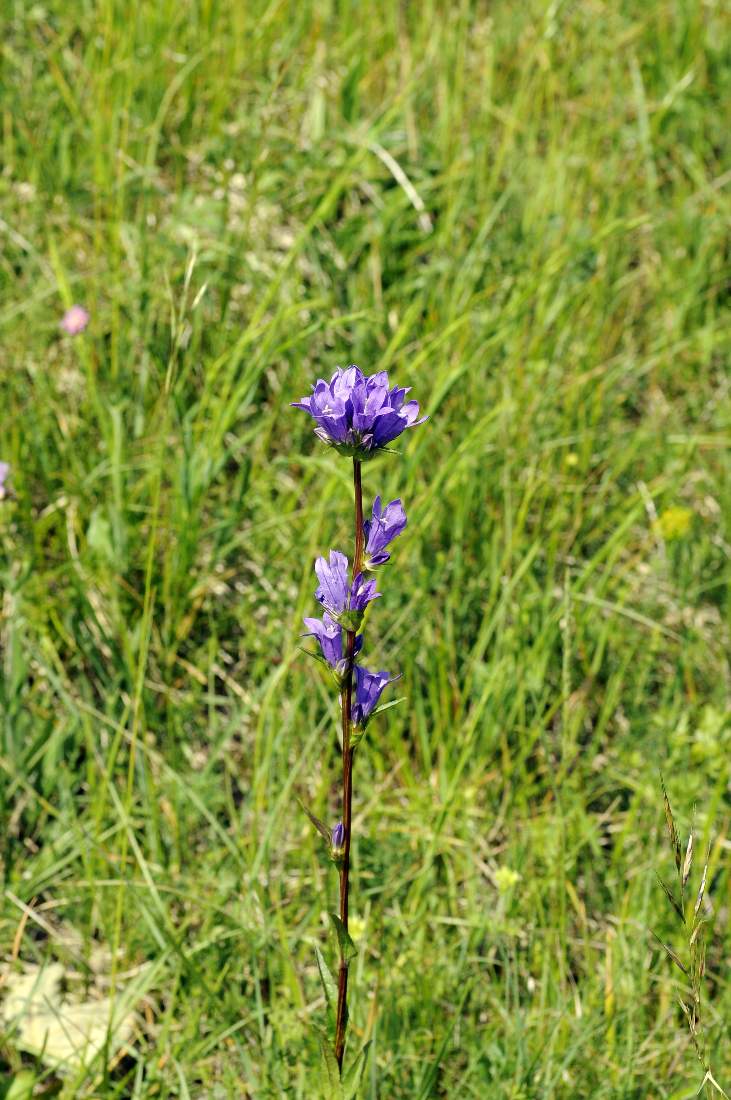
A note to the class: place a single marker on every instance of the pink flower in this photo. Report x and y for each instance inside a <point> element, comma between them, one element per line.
<point>4,472</point>
<point>75,320</point>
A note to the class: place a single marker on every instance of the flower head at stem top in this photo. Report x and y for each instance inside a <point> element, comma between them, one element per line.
<point>346,603</point>
<point>385,525</point>
<point>359,414</point>
<point>368,690</point>
<point>4,474</point>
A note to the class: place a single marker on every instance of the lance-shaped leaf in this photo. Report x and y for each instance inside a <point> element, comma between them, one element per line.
<point>348,950</point>
<point>354,1074</point>
<point>329,987</point>
<point>330,1086</point>
<point>319,825</point>
<point>315,656</point>
<point>358,732</point>
<point>383,707</point>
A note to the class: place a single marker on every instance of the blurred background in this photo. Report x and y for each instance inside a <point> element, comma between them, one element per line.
<point>522,212</point>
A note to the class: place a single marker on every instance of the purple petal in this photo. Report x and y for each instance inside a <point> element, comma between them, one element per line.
<point>386,426</point>
<point>336,429</point>
<point>333,580</point>
<point>369,687</point>
<point>411,411</point>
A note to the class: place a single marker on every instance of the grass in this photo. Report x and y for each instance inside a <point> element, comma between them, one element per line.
<point>522,211</point>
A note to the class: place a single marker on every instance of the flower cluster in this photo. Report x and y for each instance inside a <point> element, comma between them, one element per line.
<point>4,474</point>
<point>345,604</point>
<point>357,414</point>
<point>368,686</point>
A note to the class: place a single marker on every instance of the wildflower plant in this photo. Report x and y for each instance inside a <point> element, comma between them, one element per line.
<point>357,416</point>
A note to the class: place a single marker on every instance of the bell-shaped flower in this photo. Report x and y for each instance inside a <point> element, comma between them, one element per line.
<point>368,690</point>
<point>384,526</point>
<point>330,636</point>
<point>359,414</point>
<point>346,603</point>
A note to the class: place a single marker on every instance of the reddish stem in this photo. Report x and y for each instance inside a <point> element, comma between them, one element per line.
<point>346,698</point>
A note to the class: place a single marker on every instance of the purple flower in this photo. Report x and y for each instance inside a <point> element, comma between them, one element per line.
<point>368,689</point>
<point>385,525</point>
<point>4,472</point>
<point>346,603</point>
<point>75,320</point>
<point>330,636</point>
<point>359,414</point>
<point>337,843</point>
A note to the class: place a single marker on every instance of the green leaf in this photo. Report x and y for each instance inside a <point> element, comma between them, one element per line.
<point>330,1086</point>
<point>319,825</point>
<point>358,732</point>
<point>387,706</point>
<point>21,1087</point>
<point>328,984</point>
<point>354,1074</point>
<point>314,656</point>
<point>348,950</point>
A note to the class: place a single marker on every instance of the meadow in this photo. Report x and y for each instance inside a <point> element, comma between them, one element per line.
<point>521,211</point>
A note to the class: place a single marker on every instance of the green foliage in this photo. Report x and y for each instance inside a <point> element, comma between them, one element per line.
<point>522,211</point>
<point>329,985</point>
<point>694,935</point>
<point>331,1087</point>
<point>353,1074</point>
<point>347,948</point>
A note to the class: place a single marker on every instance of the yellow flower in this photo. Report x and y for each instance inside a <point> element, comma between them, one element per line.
<point>674,522</point>
<point>505,879</point>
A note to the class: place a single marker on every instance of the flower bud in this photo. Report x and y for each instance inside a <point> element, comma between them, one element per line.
<point>337,843</point>
<point>340,672</point>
